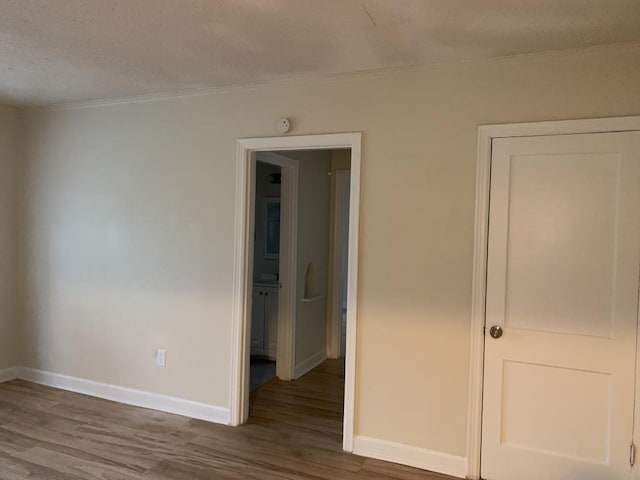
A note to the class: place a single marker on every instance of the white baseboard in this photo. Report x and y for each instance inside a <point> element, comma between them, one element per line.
<point>309,363</point>
<point>430,460</point>
<point>9,374</point>
<point>130,396</point>
<point>437,462</point>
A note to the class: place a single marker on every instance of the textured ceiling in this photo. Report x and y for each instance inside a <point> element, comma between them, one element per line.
<point>54,51</point>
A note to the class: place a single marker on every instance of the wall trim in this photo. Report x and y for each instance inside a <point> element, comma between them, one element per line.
<point>429,460</point>
<point>8,374</point>
<point>129,396</point>
<point>287,265</point>
<point>486,134</point>
<point>246,149</point>
<point>341,179</point>
<point>309,363</point>
<point>312,79</point>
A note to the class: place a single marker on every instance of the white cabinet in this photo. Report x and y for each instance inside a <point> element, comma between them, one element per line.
<point>264,321</point>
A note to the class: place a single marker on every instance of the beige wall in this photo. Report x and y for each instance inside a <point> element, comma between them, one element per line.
<point>10,177</point>
<point>130,215</point>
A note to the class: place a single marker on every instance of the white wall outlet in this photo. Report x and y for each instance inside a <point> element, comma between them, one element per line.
<point>161,357</point>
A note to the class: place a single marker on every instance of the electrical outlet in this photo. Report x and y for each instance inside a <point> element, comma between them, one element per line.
<point>161,357</point>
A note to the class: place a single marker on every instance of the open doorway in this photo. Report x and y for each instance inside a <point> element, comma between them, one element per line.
<point>265,290</point>
<point>313,395</point>
<point>305,267</point>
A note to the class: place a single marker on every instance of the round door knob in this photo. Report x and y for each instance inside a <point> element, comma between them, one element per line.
<point>496,331</point>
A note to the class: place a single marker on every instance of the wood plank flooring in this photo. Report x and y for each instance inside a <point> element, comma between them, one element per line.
<point>294,432</point>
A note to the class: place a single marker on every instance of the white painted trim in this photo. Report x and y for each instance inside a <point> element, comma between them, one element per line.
<point>311,299</point>
<point>240,348</point>
<point>352,295</point>
<point>287,308</point>
<point>8,374</point>
<point>430,460</point>
<point>129,396</point>
<point>328,141</point>
<point>241,275</point>
<point>635,468</point>
<point>309,363</point>
<point>486,134</point>
<point>334,312</point>
<point>478,297</point>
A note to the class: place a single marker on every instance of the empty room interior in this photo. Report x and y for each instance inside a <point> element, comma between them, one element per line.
<point>319,239</point>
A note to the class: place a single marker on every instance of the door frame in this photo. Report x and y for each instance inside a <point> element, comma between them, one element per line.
<point>242,277</point>
<point>486,134</point>
<point>285,349</point>
<point>334,330</point>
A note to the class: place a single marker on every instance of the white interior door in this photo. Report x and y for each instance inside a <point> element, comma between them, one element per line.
<point>562,284</point>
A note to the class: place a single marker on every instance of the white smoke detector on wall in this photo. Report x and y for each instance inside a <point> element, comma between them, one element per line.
<point>283,125</point>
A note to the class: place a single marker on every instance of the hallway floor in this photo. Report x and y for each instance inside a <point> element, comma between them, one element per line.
<point>294,432</point>
<point>261,371</point>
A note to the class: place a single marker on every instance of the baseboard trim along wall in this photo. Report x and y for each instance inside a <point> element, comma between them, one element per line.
<point>129,396</point>
<point>309,363</point>
<point>9,374</point>
<point>437,462</point>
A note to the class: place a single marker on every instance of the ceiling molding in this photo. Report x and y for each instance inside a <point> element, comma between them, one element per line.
<point>338,77</point>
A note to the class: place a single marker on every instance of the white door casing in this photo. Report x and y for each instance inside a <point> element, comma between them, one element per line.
<point>486,134</point>
<point>562,282</point>
<point>336,345</point>
<point>246,150</point>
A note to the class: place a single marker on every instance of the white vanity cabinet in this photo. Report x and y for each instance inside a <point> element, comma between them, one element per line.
<point>264,320</point>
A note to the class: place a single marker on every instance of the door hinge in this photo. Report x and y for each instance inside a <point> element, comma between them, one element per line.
<point>632,454</point>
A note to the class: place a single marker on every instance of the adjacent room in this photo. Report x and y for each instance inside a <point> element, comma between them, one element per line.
<point>319,239</point>
<point>316,188</point>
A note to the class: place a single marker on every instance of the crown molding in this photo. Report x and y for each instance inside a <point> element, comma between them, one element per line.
<point>300,80</point>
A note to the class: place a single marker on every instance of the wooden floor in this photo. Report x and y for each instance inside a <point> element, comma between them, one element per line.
<point>294,432</point>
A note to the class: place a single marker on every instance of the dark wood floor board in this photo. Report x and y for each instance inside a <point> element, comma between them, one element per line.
<point>132,456</point>
<point>100,411</point>
<point>292,460</point>
<point>13,468</point>
<point>393,471</point>
<point>10,444</point>
<point>294,433</point>
<point>78,466</point>
<point>15,398</point>
<point>108,440</point>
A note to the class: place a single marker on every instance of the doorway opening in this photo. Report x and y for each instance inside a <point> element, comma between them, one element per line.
<point>313,319</point>
<point>266,252</point>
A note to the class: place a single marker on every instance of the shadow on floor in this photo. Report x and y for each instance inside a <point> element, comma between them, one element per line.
<point>261,372</point>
